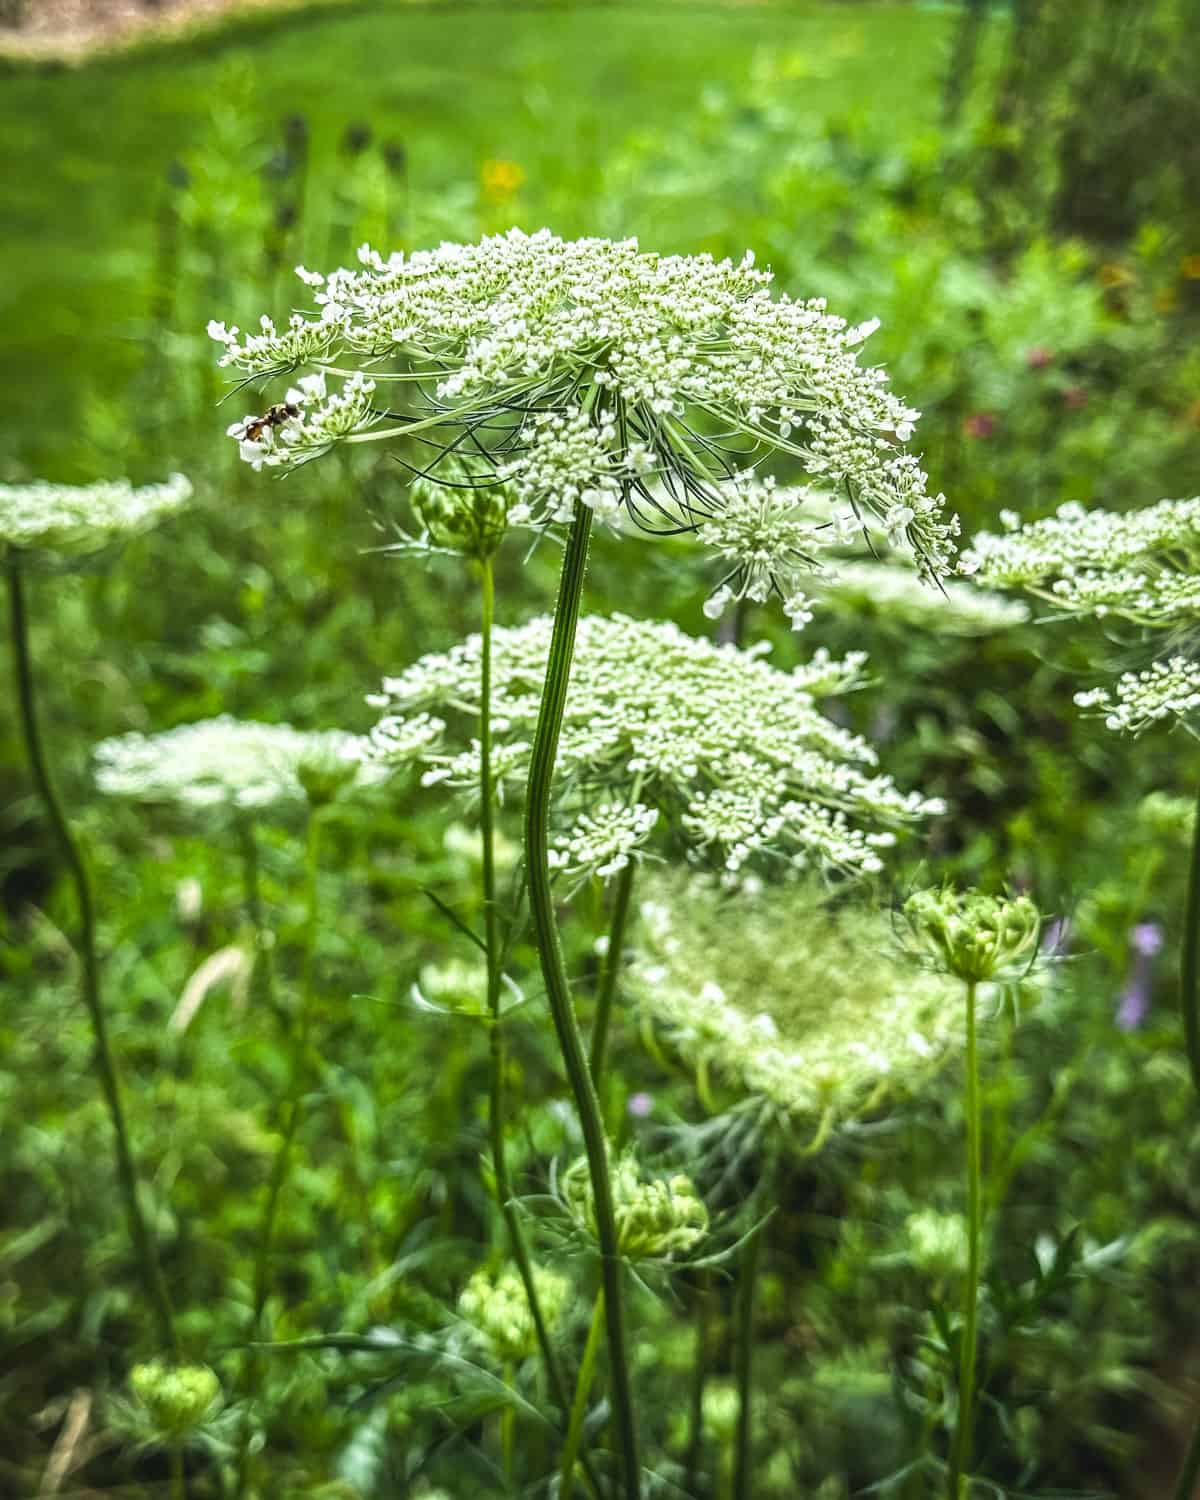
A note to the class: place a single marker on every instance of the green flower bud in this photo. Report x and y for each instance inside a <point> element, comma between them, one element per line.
<point>936,1243</point>
<point>324,776</point>
<point>177,1399</point>
<point>655,1218</point>
<point>462,510</point>
<point>722,1406</point>
<point>973,936</point>
<point>499,1309</point>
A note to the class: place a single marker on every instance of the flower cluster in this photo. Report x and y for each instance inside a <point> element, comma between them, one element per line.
<point>972,936</point>
<point>657,1217</point>
<point>1167,691</point>
<point>68,519</point>
<point>232,763</point>
<point>662,732</point>
<point>1088,562</point>
<point>815,1028</point>
<point>498,1310</point>
<point>591,371</point>
<point>1141,566</point>
<point>888,589</point>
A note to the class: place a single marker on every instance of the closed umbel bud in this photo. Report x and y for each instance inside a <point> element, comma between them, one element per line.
<point>499,1309</point>
<point>178,1398</point>
<point>462,511</point>
<point>975,937</point>
<point>656,1218</point>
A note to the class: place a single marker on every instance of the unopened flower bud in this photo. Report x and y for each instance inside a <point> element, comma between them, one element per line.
<point>177,1399</point>
<point>974,936</point>
<point>655,1218</point>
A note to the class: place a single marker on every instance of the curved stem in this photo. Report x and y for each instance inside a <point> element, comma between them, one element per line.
<point>583,1385</point>
<point>612,971</point>
<point>744,1364</point>
<point>495,976</point>
<point>495,949</point>
<point>89,958</point>
<point>960,1453</point>
<point>1189,987</point>
<point>541,906</point>
<point>695,1450</point>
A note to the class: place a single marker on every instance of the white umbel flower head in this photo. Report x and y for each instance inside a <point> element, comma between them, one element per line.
<point>68,519</point>
<point>232,763</point>
<point>891,592</point>
<point>663,734</point>
<point>591,372</point>
<point>819,1027</point>
<point>1167,693</point>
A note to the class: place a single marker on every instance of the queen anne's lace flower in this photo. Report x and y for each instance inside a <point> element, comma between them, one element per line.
<point>66,518</point>
<point>889,590</point>
<point>1141,566</point>
<point>1169,691</point>
<point>974,936</point>
<point>590,371</point>
<point>818,1027</point>
<point>663,732</point>
<point>1080,544</point>
<point>234,763</point>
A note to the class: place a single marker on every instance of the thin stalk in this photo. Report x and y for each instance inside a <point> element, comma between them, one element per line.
<point>495,977</point>
<point>583,1386</point>
<point>1190,1005</point>
<point>90,962</point>
<point>1189,1475</point>
<point>298,1069</point>
<point>545,929</point>
<point>960,1452</point>
<point>699,1381</point>
<point>611,972</point>
<point>178,1474</point>
<point>744,1365</point>
<point>508,1429</point>
<point>495,952</point>
<point>1189,989</point>
<point>298,1075</point>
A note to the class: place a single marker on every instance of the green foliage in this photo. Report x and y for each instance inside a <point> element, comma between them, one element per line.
<point>1052,344</point>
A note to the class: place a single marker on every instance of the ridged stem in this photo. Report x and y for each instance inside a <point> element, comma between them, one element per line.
<point>960,1452</point>
<point>497,1112</point>
<point>566,1026</point>
<point>611,972</point>
<point>89,959</point>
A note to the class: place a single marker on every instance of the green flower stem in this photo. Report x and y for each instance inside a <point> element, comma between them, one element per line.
<point>583,1385</point>
<point>90,962</point>
<point>495,955</point>
<point>960,1452</point>
<point>695,1451</point>
<point>1189,1475</point>
<point>1190,1003</point>
<point>743,1478</point>
<point>611,972</point>
<point>1189,996</point>
<point>541,906</point>
<point>298,1075</point>
<point>178,1475</point>
<point>280,1167</point>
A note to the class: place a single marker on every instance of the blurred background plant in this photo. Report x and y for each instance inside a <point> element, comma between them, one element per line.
<point>1016,200</point>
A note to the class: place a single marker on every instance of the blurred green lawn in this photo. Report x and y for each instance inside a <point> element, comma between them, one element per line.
<point>553,89</point>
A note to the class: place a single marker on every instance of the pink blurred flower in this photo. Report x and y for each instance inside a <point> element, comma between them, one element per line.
<point>980,424</point>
